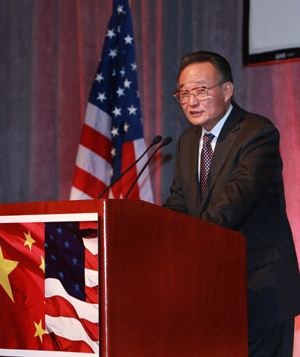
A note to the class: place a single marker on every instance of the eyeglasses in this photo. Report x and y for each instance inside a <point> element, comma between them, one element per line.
<point>200,93</point>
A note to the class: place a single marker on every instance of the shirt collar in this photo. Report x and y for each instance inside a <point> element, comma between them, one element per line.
<point>218,127</point>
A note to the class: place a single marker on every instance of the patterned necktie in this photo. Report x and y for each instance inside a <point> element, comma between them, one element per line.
<point>206,156</point>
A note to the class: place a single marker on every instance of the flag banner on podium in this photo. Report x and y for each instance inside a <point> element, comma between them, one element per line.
<point>112,135</point>
<point>49,286</point>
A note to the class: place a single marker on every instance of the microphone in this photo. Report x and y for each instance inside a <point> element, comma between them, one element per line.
<point>155,141</point>
<point>165,142</point>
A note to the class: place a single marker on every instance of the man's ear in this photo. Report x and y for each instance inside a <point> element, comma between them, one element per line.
<point>228,90</point>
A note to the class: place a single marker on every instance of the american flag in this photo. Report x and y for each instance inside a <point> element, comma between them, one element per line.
<point>112,136</point>
<point>71,287</point>
<point>49,288</point>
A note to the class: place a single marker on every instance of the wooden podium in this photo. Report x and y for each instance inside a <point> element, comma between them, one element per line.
<point>170,285</point>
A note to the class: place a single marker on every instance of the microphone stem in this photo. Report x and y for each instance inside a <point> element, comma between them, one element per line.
<point>123,173</point>
<point>143,169</point>
<point>155,141</point>
<point>166,141</point>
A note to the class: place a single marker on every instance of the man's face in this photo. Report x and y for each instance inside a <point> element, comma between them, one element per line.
<point>207,112</point>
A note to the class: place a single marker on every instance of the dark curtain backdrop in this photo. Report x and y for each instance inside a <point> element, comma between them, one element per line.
<point>49,55</point>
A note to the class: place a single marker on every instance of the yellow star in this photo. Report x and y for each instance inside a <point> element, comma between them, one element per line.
<point>39,331</point>
<point>29,240</point>
<point>42,266</point>
<point>6,267</point>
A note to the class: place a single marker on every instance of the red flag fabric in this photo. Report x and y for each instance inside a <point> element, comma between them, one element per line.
<point>22,286</point>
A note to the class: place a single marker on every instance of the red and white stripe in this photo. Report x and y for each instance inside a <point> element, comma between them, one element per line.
<point>73,323</point>
<point>93,164</point>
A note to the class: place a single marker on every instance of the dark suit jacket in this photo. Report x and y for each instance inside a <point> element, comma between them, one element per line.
<point>245,192</point>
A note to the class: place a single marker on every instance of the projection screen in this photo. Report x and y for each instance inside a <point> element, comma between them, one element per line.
<point>271,31</point>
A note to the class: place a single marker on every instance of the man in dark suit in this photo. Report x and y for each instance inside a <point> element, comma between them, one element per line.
<point>229,172</point>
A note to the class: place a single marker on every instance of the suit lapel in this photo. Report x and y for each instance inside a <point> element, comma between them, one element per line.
<point>226,140</point>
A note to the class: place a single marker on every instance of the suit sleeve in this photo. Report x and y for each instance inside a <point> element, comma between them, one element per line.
<point>247,178</point>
